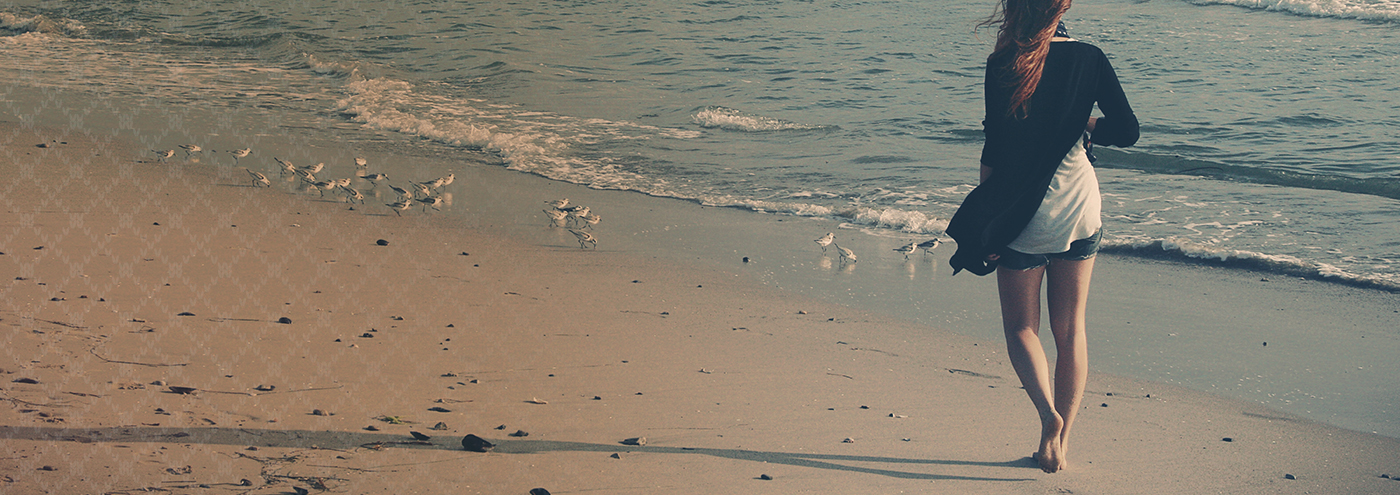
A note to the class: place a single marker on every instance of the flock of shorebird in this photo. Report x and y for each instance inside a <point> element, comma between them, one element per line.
<point>424,193</point>
<point>846,255</point>
<point>574,218</point>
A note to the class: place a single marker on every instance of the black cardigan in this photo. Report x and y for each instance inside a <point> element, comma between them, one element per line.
<point>1026,152</point>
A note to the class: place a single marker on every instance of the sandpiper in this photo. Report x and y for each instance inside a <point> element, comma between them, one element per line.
<point>584,237</point>
<point>826,240</point>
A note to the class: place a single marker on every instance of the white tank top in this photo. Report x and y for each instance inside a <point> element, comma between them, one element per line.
<point>1070,210</point>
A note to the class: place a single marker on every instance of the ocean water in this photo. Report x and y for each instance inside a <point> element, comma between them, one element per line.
<point>1271,129</point>
<point>864,111</point>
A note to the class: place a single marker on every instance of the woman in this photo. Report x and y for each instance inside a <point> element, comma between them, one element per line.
<point>1035,215</point>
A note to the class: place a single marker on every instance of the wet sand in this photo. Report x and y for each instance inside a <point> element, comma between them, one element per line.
<point>314,353</point>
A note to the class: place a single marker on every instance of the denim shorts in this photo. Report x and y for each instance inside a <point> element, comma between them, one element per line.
<point>1082,249</point>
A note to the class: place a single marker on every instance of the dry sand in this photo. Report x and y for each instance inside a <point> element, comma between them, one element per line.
<point>122,276</point>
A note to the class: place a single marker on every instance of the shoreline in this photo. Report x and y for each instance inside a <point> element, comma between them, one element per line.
<point>731,373</point>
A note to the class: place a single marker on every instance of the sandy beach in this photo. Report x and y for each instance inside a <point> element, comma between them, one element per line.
<point>311,353</point>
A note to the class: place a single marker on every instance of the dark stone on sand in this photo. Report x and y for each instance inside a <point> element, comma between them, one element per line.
<point>474,443</point>
<point>319,412</point>
<point>48,468</point>
<point>301,491</point>
<point>464,253</point>
<point>182,390</point>
<point>1227,439</point>
<point>439,426</point>
<point>382,242</point>
<point>1103,405</point>
<point>245,482</point>
<point>520,433</point>
<point>865,407</point>
<point>637,441</point>
<point>502,427</point>
<point>284,320</point>
<point>371,428</point>
<point>1289,477</point>
<point>367,335</point>
<point>765,477</point>
<point>57,299</point>
<point>539,491</point>
<point>597,397</point>
<point>746,259</point>
<point>30,381</point>
<point>185,313</point>
<point>420,436</point>
<point>264,388</point>
<point>616,455</point>
<point>439,409</point>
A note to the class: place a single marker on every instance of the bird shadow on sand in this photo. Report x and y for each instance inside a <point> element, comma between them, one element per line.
<point>305,439</point>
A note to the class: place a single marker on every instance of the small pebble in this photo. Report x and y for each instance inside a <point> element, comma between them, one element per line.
<point>638,441</point>
<point>616,455</point>
<point>520,433</point>
<point>1103,405</point>
<point>539,491</point>
<point>1289,477</point>
<point>765,477</point>
<point>318,412</point>
<point>1227,439</point>
<point>284,320</point>
<point>849,440</point>
<point>382,242</point>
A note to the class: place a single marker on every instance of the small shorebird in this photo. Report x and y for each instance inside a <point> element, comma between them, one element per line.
<point>403,193</point>
<point>556,218</point>
<point>421,188</point>
<point>906,249</point>
<point>326,185</point>
<point>401,205</point>
<point>826,240</point>
<point>305,174</point>
<point>584,238</point>
<point>374,179</point>
<point>361,162</point>
<point>316,169</point>
<point>259,178</point>
<point>163,155</point>
<point>591,220</point>
<point>558,204</point>
<point>190,149</point>
<point>243,153</point>
<point>846,254</point>
<point>448,180</point>
<point>576,213</point>
<point>929,245</point>
<point>287,167</point>
<point>352,195</point>
<point>431,202</point>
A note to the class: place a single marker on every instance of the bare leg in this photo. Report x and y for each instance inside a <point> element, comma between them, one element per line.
<point>1020,315</point>
<point>1068,295</point>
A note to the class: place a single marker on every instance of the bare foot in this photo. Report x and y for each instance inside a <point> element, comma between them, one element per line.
<point>1050,457</point>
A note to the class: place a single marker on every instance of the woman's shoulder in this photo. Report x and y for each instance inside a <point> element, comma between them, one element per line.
<point>1076,49</point>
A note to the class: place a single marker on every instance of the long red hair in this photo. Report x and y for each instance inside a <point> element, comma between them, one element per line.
<point>1024,31</point>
